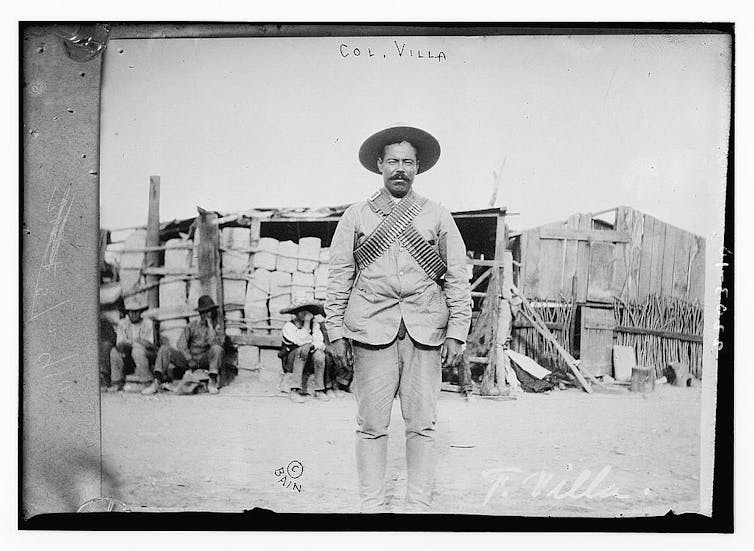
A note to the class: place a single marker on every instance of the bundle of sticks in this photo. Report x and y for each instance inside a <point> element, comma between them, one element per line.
<point>673,329</point>
<point>530,342</point>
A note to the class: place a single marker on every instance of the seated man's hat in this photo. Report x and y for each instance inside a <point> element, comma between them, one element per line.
<point>316,308</point>
<point>206,303</point>
<point>427,147</point>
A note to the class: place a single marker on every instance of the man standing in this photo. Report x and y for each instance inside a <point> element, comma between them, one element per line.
<point>200,346</point>
<point>134,347</point>
<point>398,307</point>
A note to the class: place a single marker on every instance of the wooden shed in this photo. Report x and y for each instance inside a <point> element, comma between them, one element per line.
<point>612,277</point>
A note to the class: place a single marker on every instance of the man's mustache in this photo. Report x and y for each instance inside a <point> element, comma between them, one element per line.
<point>399,177</point>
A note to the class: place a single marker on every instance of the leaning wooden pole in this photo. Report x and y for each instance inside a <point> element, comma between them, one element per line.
<point>209,260</point>
<point>540,326</point>
<point>153,240</point>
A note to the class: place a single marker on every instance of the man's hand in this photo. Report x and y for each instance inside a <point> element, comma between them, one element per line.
<point>192,364</point>
<point>451,352</point>
<point>341,352</point>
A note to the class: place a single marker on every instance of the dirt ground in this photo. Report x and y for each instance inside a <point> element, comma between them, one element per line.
<point>561,454</point>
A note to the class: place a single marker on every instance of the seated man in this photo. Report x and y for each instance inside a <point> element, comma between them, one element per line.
<point>134,349</point>
<point>200,346</point>
<point>303,348</point>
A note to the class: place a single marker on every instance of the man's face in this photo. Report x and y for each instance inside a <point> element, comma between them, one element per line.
<point>398,167</point>
<point>206,315</point>
<point>134,316</point>
<point>304,315</point>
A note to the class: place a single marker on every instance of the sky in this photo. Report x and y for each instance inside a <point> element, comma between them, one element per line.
<point>569,123</point>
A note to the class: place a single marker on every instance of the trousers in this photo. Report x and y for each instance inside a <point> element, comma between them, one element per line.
<point>171,362</point>
<point>131,355</point>
<point>301,357</point>
<point>411,371</point>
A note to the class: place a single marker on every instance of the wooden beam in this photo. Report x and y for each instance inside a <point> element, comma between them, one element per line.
<point>610,236</point>
<point>481,279</point>
<point>489,263</point>
<point>524,324</point>
<point>656,332</point>
<point>153,240</point>
<point>265,341</point>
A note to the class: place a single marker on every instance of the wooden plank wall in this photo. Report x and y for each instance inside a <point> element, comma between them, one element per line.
<point>659,259</point>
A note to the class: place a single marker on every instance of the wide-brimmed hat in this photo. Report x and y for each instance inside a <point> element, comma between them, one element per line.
<point>427,147</point>
<point>316,308</point>
<point>206,303</point>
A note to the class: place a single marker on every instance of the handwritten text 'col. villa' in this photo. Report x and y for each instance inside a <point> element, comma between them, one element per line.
<point>398,50</point>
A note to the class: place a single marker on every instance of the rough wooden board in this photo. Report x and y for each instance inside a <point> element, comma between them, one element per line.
<point>619,275</point>
<point>600,272</point>
<point>632,221</point>
<point>645,260</point>
<point>582,262</point>
<point>531,261</point>
<point>696,271</point>
<point>597,329</point>
<point>558,233</point>
<point>668,257</point>
<point>571,258</point>
<point>658,246</point>
<point>550,265</point>
<point>681,263</point>
<point>528,365</point>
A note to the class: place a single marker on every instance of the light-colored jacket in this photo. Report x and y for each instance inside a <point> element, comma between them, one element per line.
<point>367,306</point>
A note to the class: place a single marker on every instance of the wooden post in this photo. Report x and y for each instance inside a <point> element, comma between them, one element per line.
<point>153,240</point>
<point>209,261</point>
<point>493,379</point>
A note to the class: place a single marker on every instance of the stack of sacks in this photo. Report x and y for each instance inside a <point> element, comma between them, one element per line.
<point>234,263</point>
<point>266,256</point>
<point>320,275</point>
<point>308,254</point>
<point>178,254</point>
<point>233,321</point>
<point>303,287</point>
<point>287,257</point>
<point>130,270</point>
<point>170,330</point>
<point>195,291</point>
<point>280,297</point>
<point>255,306</point>
<point>178,259</point>
<point>248,357</point>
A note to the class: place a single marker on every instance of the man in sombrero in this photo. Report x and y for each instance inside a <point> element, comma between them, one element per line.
<point>200,346</point>
<point>303,348</point>
<point>398,308</point>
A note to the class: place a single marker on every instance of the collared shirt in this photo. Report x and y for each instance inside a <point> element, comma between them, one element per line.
<point>129,333</point>
<point>368,306</point>
<point>197,337</point>
<point>298,336</point>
